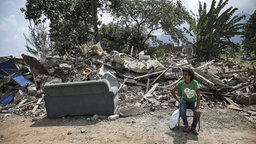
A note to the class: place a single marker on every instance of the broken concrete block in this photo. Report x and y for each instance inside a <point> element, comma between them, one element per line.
<point>117,58</point>
<point>130,111</point>
<point>65,66</point>
<point>18,97</point>
<point>95,117</point>
<point>32,90</point>
<point>35,66</point>
<point>113,117</point>
<point>55,80</point>
<point>142,56</point>
<point>92,49</point>
<point>138,67</point>
<point>82,130</point>
<point>156,65</point>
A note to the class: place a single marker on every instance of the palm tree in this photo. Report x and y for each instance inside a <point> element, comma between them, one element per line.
<point>213,30</point>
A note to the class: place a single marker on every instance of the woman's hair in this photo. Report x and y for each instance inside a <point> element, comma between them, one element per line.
<point>190,72</point>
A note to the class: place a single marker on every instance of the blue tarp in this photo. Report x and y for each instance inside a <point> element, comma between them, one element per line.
<point>7,68</point>
<point>21,80</point>
<point>6,100</point>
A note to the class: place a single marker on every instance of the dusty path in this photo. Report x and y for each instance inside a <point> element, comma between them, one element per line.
<point>218,126</point>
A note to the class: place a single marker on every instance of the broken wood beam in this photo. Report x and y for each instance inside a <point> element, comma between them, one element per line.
<point>160,75</point>
<point>211,77</point>
<point>232,105</point>
<point>147,85</point>
<point>122,84</point>
<point>147,75</point>
<point>37,104</point>
<point>151,90</point>
<point>170,85</point>
<point>206,64</point>
<point>211,84</point>
<point>28,103</point>
<point>151,100</point>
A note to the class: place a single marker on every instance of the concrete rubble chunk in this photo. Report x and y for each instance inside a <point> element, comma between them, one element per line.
<point>142,56</point>
<point>65,66</point>
<point>92,49</point>
<point>113,117</point>
<point>131,111</point>
<point>144,66</point>
<point>32,90</point>
<point>18,97</point>
<point>55,80</point>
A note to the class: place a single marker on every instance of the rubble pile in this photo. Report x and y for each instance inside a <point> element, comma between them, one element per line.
<point>145,81</point>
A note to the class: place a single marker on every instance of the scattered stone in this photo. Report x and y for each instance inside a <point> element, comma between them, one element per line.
<point>113,117</point>
<point>130,111</point>
<point>95,117</point>
<point>55,80</point>
<point>32,90</point>
<point>69,133</point>
<point>65,66</point>
<point>82,130</point>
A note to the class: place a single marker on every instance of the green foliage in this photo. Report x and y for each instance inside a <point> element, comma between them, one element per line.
<point>113,37</point>
<point>72,22</point>
<point>213,30</point>
<point>159,52</point>
<point>38,43</point>
<point>141,18</point>
<point>250,34</point>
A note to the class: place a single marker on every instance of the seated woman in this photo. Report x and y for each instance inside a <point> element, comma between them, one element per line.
<point>189,99</point>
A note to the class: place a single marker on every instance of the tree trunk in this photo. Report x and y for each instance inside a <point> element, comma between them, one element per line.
<point>95,19</point>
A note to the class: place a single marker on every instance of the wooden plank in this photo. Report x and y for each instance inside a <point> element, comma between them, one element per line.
<point>37,104</point>
<point>160,75</point>
<point>151,90</point>
<point>151,100</point>
<point>234,107</point>
<point>147,85</point>
<point>28,103</point>
<point>231,102</point>
<point>147,75</point>
<point>122,84</point>
<point>172,84</point>
<point>206,80</point>
<point>206,64</point>
<point>21,103</point>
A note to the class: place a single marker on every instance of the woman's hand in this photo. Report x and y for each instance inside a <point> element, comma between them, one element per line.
<point>197,111</point>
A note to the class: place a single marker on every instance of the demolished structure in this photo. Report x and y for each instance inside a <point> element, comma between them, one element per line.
<point>66,85</point>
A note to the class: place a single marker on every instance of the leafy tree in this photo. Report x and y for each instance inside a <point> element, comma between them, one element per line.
<point>114,37</point>
<point>250,34</point>
<point>72,22</point>
<point>214,29</point>
<point>38,43</point>
<point>141,18</point>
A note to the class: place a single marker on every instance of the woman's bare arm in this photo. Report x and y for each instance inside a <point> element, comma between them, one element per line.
<point>174,94</point>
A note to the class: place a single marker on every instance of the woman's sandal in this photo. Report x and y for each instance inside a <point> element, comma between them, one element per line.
<point>194,132</point>
<point>186,129</point>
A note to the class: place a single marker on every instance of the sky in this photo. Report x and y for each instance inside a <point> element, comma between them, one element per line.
<point>13,24</point>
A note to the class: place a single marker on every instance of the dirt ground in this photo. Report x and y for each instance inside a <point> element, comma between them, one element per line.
<point>217,126</point>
